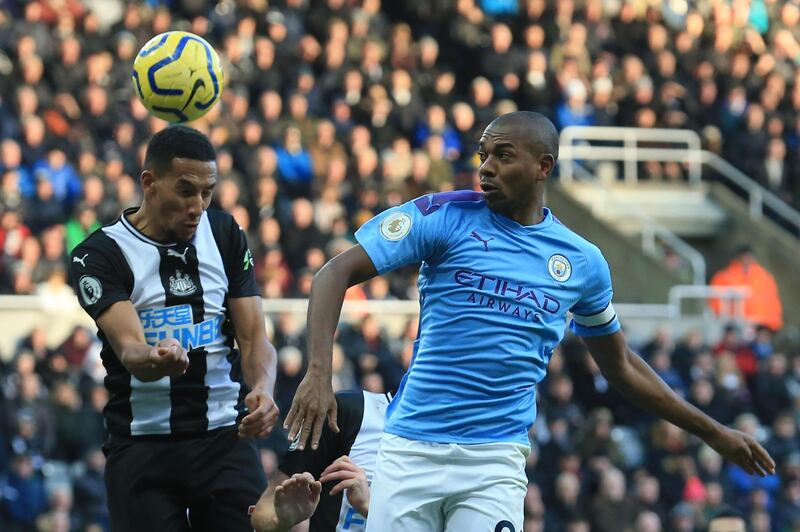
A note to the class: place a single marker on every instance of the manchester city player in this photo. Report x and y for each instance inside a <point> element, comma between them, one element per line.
<point>499,273</point>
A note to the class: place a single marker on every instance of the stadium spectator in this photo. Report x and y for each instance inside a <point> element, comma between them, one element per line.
<point>70,67</point>
<point>762,305</point>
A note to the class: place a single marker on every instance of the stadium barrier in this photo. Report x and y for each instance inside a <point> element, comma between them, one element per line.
<point>21,314</point>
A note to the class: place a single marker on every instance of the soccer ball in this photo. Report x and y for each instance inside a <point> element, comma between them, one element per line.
<point>178,76</point>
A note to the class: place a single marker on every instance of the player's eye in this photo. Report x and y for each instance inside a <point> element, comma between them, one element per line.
<point>505,156</point>
<point>482,156</point>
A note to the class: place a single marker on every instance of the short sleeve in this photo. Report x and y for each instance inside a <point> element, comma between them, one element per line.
<point>236,255</point>
<point>241,277</point>
<point>594,314</point>
<point>99,274</point>
<point>403,235</point>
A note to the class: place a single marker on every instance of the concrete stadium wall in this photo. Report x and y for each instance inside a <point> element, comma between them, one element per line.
<point>638,278</point>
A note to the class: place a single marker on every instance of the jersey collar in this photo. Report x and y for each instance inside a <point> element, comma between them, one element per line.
<point>141,236</point>
<point>515,226</point>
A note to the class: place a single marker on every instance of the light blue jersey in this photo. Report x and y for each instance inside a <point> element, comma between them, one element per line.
<point>494,297</point>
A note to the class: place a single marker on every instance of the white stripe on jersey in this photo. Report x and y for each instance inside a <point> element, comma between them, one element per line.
<point>601,318</point>
<point>151,404</point>
<point>363,453</point>
<point>223,393</point>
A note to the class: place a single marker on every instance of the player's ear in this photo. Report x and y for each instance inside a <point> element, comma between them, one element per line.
<point>148,181</point>
<point>546,164</point>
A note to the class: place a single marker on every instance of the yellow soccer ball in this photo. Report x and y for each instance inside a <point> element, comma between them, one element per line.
<point>178,76</point>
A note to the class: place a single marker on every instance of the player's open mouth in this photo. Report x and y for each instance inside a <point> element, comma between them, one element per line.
<point>488,188</point>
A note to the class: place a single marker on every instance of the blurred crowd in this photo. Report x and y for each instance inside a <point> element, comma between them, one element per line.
<point>336,109</point>
<point>597,462</point>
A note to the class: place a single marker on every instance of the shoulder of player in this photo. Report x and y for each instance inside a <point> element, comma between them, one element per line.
<point>220,219</point>
<point>97,242</point>
<point>585,248</point>
<point>350,402</point>
<point>449,202</point>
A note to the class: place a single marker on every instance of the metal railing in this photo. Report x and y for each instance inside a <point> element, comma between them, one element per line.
<point>673,145</point>
<point>731,297</point>
<point>631,153</point>
<point>651,229</point>
<point>673,309</point>
<point>21,314</point>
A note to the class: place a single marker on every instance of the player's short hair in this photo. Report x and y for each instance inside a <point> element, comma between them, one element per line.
<point>177,141</point>
<point>539,131</point>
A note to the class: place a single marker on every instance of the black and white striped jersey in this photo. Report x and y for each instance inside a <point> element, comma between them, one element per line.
<point>179,290</point>
<point>360,418</point>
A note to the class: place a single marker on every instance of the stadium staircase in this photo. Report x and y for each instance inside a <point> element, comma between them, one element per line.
<point>704,219</point>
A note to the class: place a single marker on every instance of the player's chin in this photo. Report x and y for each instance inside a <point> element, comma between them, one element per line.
<point>186,231</point>
<point>494,198</point>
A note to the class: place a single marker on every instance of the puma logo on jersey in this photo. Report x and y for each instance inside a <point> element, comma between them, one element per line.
<point>477,237</point>
<point>80,260</point>
<point>172,253</point>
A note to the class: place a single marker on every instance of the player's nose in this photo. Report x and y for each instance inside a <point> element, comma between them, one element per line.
<point>487,169</point>
<point>195,206</point>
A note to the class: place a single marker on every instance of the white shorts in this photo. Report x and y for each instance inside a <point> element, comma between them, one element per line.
<point>438,487</point>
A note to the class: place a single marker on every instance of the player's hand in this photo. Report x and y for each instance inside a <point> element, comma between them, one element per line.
<point>313,400</point>
<point>168,358</point>
<point>262,417</point>
<point>296,499</point>
<point>353,479</point>
<point>743,450</point>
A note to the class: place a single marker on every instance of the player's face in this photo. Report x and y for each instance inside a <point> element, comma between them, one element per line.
<point>508,170</point>
<point>181,195</point>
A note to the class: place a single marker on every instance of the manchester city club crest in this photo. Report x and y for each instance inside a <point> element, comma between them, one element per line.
<point>396,226</point>
<point>181,284</point>
<point>559,268</point>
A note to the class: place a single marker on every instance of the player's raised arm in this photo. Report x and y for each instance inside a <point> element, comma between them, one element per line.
<point>636,380</point>
<point>314,399</point>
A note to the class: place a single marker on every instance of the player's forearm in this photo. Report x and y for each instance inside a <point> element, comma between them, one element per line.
<point>136,359</point>
<point>259,365</point>
<point>637,381</point>
<point>324,309</point>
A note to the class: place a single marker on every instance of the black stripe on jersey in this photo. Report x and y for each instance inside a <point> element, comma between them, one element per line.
<point>118,412</point>
<point>349,416</point>
<point>180,277</point>
<point>234,358</point>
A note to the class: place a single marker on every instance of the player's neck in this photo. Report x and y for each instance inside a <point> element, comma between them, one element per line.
<point>145,223</point>
<point>530,212</point>
<point>531,215</point>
